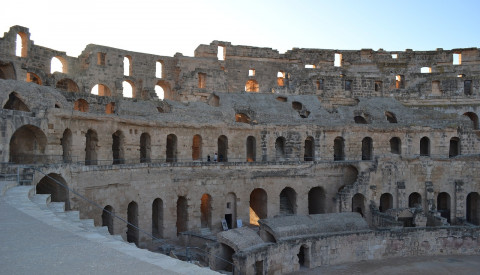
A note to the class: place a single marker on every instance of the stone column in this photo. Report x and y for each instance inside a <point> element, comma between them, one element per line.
<point>263,144</point>
<point>401,196</point>
<point>430,196</point>
<point>460,203</point>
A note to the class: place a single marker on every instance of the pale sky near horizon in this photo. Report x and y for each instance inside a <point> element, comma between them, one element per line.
<point>167,27</point>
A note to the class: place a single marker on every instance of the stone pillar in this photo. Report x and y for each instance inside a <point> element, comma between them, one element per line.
<point>460,203</point>
<point>430,196</point>
<point>401,196</point>
<point>263,144</point>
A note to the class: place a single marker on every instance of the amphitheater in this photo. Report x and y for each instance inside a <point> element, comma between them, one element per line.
<point>247,160</point>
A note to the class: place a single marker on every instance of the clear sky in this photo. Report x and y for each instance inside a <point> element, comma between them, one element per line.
<point>167,27</point>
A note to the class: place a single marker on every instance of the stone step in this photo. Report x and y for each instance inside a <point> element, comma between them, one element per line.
<point>56,207</point>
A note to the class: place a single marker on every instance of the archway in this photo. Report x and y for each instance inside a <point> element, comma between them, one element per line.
<point>206,211</point>
<point>304,256</point>
<point>27,145</point>
<point>67,85</point>
<point>15,103</point>
<point>182,214</point>
<point>350,175</point>
<point>66,142</point>
<point>118,141</point>
<point>91,147</point>
<point>395,146</point>
<point>157,218</point>
<point>425,146</point>
<point>81,105</point>
<point>258,205</point>
<point>288,201</point>
<point>338,149</point>
<point>443,205</point>
<point>222,145</point>
<point>251,149</point>
<point>316,201</point>
<point>132,227</point>
<point>280,149</point>
<point>101,90</point>
<point>55,185</point>
<point>474,118</point>
<point>231,210</point>
<point>367,148</point>
<point>415,200</point>
<point>386,202</point>
<point>107,218</point>
<point>454,149</point>
<point>145,148</point>
<point>309,153</point>
<point>171,150</point>
<point>197,147</point>
<point>358,204</point>
<point>473,208</point>
<point>252,86</point>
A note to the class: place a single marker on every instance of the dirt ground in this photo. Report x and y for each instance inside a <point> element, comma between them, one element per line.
<point>413,265</point>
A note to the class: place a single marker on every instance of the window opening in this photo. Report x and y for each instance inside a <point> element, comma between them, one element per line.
<point>338,149</point>
<point>201,80</point>
<point>467,87</point>
<point>31,77</point>
<point>454,149</point>
<point>348,85</point>
<point>424,146</point>
<point>101,58</point>
<point>21,45</point>
<point>309,66</point>
<point>159,92</point>
<point>378,86</point>
<point>457,59</point>
<point>127,89</point>
<point>394,55</point>
<point>320,84</point>
<point>281,79</point>
<point>425,70</point>
<point>399,82</point>
<point>221,52</point>
<point>338,60</point>
<point>391,117</point>
<point>251,72</point>
<point>395,145</point>
<point>159,69</point>
<point>127,65</point>
<point>251,86</point>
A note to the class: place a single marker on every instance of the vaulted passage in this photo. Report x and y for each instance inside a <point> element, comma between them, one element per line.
<point>206,211</point>
<point>258,205</point>
<point>280,149</point>
<point>386,202</point>
<point>27,145</point>
<point>67,85</point>
<point>182,215</point>
<point>171,148</point>
<point>231,210</point>
<point>66,142</point>
<point>197,147</point>
<point>367,149</point>
<point>91,147</point>
<point>473,208</point>
<point>358,204</point>
<point>309,149</point>
<point>118,142</point>
<point>415,200</point>
<point>288,201</point>
<point>15,103</point>
<point>443,205</point>
<point>157,218</point>
<point>145,148</point>
<point>107,218</point>
<point>251,149</point>
<point>222,145</point>
<point>316,201</point>
<point>338,149</point>
<point>52,184</point>
<point>132,227</point>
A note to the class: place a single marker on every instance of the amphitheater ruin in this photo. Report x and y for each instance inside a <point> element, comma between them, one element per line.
<point>271,161</point>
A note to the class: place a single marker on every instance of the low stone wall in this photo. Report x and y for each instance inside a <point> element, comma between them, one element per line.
<point>357,246</point>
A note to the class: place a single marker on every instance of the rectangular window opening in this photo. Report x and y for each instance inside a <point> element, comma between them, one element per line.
<point>348,85</point>
<point>425,70</point>
<point>394,55</point>
<point>101,58</point>
<point>251,72</point>
<point>201,80</point>
<point>309,66</point>
<point>457,58</point>
<point>378,86</point>
<point>221,53</point>
<point>338,60</point>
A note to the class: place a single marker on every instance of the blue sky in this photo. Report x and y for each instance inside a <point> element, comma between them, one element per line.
<point>167,27</point>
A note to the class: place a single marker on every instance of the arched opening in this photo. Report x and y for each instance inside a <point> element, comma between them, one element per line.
<point>21,45</point>
<point>27,145</point>
<point>281,79</point>
<point>454,149</point>
<point>7,71</point>
<point>473,208</point>
<point>425,146</point>
<point>101,90</point>
<point>165,87</point>
<point>197,147</point>
<point>67,85</point>
<point>358,204</point>
<point>280,149</point>
<point>258,205</point>
<point>58,64</point>
<point>159,92</point>
<point>415,200</point>
<point>81,105</point>
<point>52,184</point>
<point>251,149</point>
<point>91,147</point>
<point>15,103</point>
<point>350,175</point>
<point>252,86</point>
<point>182,215</point>
<point>338,149</point>
<point>159,69</point>
<point>304,256</point>
<point>399,82</point>
<point>110,108</point>
<point>171,148</point>
<point>297,106</point>
<point>128,89</point>
<point>360,120</point>
<point>316,201</point>
<point>66,142</point>
<point>231,210</point>
<point>226,252</point>
<point>309,149</point>
<point>386,202</point>
<point>34,78</point>
<point>118,142</point>
<point>222,145</point>
<point>243,118</point>
<point>145,148</point>
<point>132,227</point>
<point>127,65</point>
<point>157,218</point>
<point>107,218</point>
<point>391,117</point>
<point>396,146</point>
<point>206,211</point>
<point>443,205</point>
<point>367,149</point>
<point>288,201</point>
<point>474,118</point>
